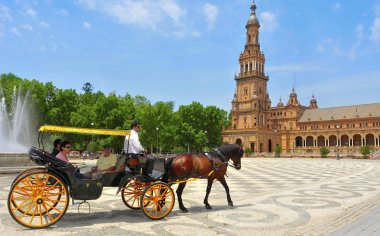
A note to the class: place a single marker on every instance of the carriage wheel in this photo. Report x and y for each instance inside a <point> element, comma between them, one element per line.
<point>38,200</point>
<point>32,182</point>
<point>157,200</point>
<point>131,193</point>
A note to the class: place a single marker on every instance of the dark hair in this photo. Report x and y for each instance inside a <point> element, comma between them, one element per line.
<point>107,146</point>
<point>56,142</point>
<point>134,124</point>
<point>63,144</point>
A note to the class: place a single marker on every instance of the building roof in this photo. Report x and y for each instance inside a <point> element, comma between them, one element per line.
<point>341,113</point>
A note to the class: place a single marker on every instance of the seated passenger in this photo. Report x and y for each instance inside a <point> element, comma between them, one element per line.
<point>63,156</point>
<point>57,147</point>
<point>106,162</point>
<point>65,149</point>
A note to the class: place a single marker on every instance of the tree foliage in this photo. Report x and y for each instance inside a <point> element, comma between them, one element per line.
<point>366,151</point>
<point>324,152</point>
<point>192,127</point>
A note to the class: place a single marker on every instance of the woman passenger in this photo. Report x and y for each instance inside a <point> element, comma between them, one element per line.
<point>65,149</point>
<point>63,155</point>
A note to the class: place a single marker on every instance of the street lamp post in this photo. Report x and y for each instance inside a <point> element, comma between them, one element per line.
<point>337,142</point>
<point>156,140</point>
<point>92,141</point>
<point>206,139</point>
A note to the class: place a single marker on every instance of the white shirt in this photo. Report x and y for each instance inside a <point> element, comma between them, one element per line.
<point>134,143</point>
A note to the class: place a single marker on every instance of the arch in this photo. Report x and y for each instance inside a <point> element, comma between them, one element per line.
<point>321,141</point>
<point>239,141</point>
<point>309,141</point>
<point>357,139</point>
<point>344,140</point>
<point>269,145</point>
<point>298,141</point>
<point>332,140</point>
<point>370,139</point>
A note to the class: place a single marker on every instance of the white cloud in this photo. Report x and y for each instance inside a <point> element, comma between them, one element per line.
<point>30,12</point>
<point>86,25</point>
<point>375,30</point>
<point>269,21</point>
<point>89,4</point>
<point>44,24</point>
<point>337,6</point>
<point>63,12</point>
<point>15,31</point>
<point>211,12</point>
<point>5,13</point>
<point>144,13</point>
<point>27,27</point>
<point>172,10</point>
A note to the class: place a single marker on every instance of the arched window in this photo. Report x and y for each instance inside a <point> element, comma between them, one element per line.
<point>299,141</point>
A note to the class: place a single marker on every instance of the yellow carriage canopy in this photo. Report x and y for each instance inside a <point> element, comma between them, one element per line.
<point>78,130</point>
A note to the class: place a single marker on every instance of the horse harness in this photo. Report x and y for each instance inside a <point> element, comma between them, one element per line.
<point>218,155</point>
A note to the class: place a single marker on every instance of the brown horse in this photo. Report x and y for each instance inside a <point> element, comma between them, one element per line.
<point>202,166</point>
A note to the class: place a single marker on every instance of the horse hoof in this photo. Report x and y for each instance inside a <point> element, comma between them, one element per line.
<point>231,204</point>
<point>208,207</point>
<point>184,210</point>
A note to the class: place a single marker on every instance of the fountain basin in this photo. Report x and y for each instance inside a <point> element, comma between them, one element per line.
<point>15,159</point>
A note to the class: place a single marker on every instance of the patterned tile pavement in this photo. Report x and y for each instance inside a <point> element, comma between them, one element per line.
<point>271,197</point>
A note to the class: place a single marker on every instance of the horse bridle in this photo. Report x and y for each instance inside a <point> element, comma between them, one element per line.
<point>223,158</point>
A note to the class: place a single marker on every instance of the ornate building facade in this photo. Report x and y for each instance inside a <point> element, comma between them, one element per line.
<point>296,128</point>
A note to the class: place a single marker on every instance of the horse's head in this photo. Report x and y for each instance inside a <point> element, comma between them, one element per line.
<point>233,152</point>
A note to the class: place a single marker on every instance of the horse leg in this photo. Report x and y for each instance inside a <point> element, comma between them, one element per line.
<point>208,190</point>
<point>224,183</point>
<point>179,191</point>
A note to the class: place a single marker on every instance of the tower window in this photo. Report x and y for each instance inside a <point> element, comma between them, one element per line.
<point>245,91</point>
<point>249,38</point>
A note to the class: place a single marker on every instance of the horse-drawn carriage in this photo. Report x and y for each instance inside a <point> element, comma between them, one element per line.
<point>40,196</point>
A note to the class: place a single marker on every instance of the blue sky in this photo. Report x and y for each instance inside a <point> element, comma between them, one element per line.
<point>184,51</point>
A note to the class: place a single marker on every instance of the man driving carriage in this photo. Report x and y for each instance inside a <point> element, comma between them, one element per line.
<point>132,145</point>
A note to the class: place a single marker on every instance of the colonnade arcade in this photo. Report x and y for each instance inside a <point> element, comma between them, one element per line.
<point>337,140</point>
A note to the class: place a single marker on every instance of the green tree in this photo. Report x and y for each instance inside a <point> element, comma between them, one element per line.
<point>366,151</point>
<point>87,87</point>
<point>277,151</point>
<point>247,151</point>
<point>324,152</point>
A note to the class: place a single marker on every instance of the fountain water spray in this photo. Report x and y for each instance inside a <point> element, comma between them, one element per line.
<point>15,128</point>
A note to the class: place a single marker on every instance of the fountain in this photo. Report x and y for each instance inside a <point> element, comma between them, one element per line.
<point>15,127</point>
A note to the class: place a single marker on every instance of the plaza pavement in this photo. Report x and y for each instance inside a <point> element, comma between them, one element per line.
<point>271,196</point>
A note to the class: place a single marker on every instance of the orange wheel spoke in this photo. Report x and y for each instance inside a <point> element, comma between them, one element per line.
<point>27,211</point>
<point>21,205</point>
<point>31,219</point>
<point>54,208</point>
<point>47,211</point>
